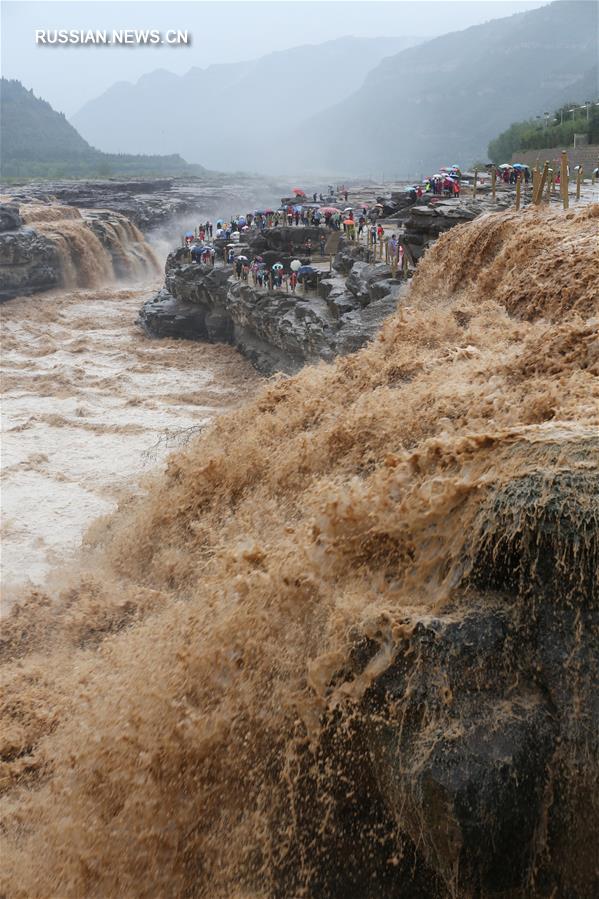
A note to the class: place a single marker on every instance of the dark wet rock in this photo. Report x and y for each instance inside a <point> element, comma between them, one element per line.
<point>287,240</point>
<point>369,282</point>
<point>29,263</point>
<point>431,216</point>
<point>482,735</point>
<point>175,318</point>
<point>276,330</point>
<point>10,220</point>
<point>348,253</point>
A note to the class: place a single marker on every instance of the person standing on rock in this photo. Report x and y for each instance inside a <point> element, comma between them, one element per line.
<point>323,242</point>
<point>309,247</point>
<point>361,223</point>
<point>380,232</point>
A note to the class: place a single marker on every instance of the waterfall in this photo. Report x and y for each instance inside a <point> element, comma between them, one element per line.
<point>95,247</point>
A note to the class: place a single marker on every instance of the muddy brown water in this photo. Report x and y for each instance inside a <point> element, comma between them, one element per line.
<point>90,403</point>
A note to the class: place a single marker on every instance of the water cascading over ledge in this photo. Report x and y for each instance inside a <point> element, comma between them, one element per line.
<point>345,647</point>
<point>60,246</point>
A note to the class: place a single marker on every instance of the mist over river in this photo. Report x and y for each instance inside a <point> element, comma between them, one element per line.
<point>90,404</point>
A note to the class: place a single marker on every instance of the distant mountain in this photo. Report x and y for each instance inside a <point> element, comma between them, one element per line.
<point>37,141</point>
<point>441,102</point>
<point>234,115</point>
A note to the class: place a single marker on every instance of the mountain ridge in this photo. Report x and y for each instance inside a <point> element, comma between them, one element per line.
<point>39,141</point>
<point>211,113</point>
<point>472,70</point>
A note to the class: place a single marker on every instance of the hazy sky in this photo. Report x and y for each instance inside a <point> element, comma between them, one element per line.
<point>222,31</point>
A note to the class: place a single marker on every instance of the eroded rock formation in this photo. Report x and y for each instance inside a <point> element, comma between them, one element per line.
<point>276,330</point>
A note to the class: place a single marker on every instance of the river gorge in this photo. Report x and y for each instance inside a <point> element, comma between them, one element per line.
<point>331,633</point>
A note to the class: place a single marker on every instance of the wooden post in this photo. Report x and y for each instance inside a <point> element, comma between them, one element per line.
<point>564,180</point>
<point>405,264</point>
<point>541,181</point>
<point>578,181</point>
<point>535,183</point>
<point>330,263</point>
<point>518,189</point>
<point>494,184</point>
<point>549,183</point>
<point>474,183</point>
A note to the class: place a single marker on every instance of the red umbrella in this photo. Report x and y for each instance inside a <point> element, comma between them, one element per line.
<point>299,192</point>
<point>329,210</point>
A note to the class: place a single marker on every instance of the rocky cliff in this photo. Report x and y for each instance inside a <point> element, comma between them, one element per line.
<point>277,330</point>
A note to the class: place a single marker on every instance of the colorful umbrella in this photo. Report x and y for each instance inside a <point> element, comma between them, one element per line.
<point>329,210</point>
<point>349,222</point>
<point>298,191</point>
<point>277,266</point>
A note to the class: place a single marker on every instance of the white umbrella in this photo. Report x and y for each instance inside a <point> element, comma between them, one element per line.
<point>295,265</point>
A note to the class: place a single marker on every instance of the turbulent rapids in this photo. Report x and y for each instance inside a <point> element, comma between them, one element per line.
<point>88,403</point>
<point>346,645</point>
<point>61,246</point>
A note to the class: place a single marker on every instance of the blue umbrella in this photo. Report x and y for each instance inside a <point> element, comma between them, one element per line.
<point>306,270</point>
<point>297,208</point>
<point>189,234</point>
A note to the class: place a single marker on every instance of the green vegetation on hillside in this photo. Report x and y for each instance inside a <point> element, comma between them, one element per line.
<point>558,131</point>
<point>38,142</point>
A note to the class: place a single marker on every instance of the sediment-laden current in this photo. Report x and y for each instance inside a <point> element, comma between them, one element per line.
<point>346,644</point>
<point>90,402</point>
